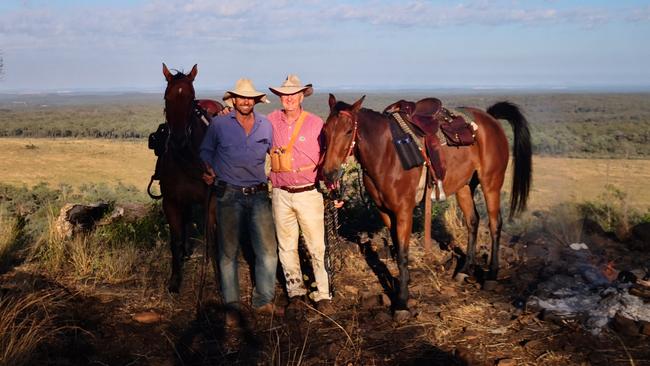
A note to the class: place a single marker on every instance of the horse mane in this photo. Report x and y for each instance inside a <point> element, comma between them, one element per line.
<point>178,75</point>
<point>342,106</point>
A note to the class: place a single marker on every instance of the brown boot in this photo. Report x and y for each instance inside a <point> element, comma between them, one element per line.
<point>325,307</point>
<point>270,309</point>
<point>296,306</point>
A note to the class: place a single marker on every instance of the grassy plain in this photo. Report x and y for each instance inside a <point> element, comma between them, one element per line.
<point>77,162</point>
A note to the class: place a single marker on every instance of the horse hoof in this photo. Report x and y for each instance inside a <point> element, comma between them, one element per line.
<point>490,285</point>
<point>460,277</point>
<point>401,316</point>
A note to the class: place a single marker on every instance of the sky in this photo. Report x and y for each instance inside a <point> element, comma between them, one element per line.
<point>56,45</point>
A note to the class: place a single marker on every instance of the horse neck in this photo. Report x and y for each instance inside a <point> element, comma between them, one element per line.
<point>178,116</point>
<point>372,140</point>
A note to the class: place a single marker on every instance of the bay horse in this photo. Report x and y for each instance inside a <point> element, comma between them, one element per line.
<point>366,133</point>
<point>180,167</point>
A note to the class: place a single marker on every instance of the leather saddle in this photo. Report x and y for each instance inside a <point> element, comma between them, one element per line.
<point>422,114</point>
<point>211,107</point>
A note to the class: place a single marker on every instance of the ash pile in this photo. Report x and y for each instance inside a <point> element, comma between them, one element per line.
<point>586,287</point>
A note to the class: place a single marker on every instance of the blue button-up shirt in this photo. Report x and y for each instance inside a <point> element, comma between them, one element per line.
<point>237,158</point>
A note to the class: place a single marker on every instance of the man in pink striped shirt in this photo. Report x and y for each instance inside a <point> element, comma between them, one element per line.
<point>297,204</point>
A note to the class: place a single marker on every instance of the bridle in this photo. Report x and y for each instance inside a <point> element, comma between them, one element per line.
<point>355,130</point>
<point>193,112</point>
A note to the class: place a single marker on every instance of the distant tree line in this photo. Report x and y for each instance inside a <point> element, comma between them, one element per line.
<point>576,125</point>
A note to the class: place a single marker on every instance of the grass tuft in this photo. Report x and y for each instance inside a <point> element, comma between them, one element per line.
<point>25,324</point>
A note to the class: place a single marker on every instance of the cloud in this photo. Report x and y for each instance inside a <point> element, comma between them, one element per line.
<point>210,22</point>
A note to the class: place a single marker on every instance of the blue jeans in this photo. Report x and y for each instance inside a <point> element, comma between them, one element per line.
<point>237,213</point>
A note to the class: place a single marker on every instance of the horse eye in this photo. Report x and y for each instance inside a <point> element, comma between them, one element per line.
<point>349,132</point>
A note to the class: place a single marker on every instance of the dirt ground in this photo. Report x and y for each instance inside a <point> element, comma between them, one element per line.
<point>452,323</point>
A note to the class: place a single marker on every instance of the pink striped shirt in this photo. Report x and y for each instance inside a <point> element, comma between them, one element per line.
<point>306,148</point>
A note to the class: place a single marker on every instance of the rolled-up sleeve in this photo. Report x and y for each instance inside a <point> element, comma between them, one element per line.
<point>209,144</point>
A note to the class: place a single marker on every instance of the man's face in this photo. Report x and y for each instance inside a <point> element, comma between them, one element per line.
<point>244,105</point>
<point>292,102</point>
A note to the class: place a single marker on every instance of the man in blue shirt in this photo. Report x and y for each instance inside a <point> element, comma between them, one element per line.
<point>234,150</point>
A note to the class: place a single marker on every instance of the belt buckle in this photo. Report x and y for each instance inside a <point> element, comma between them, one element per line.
<point>247,190</point>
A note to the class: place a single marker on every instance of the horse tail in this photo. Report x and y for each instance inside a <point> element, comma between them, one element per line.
<point>521,151</point>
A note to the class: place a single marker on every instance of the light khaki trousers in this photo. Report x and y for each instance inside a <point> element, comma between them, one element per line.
<point>293,212</point>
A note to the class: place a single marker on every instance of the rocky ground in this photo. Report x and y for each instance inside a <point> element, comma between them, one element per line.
<point>452,323</point>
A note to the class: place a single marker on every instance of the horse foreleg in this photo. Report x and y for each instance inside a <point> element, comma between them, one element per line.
<point>176,232</point>
<point>465,198</point>
<point>404,224</point>
<point>493,203</point>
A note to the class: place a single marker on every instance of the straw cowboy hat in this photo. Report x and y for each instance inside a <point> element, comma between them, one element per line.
<point>292,86</point>
<point>244,88</point>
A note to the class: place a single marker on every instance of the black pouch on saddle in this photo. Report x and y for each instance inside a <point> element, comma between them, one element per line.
<point>457,131</point>
<point>407,149</point>
<point>158,139</point>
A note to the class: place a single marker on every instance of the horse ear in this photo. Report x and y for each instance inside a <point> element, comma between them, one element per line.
<point>332,101</point>
<point>357,105</point>
<point>168,75</point>
<point>193,72</point>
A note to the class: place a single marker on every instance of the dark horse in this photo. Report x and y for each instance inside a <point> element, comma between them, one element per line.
<point>180,168</point>
<point>364,132</point>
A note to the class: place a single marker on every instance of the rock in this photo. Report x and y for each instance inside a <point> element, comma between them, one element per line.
<point>506,362</point>
<point>147,317</point>
<point>369,300</point>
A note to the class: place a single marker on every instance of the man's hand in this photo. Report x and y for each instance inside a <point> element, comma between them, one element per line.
<point>208,174</point>
<point>338,204</point>
<point>224,111</point>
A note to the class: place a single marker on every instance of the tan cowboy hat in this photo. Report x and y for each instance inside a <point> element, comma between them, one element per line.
<point>245,88</point>
<point>292,86</point>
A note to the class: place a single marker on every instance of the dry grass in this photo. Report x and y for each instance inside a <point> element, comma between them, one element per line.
<point>77,162</point>
<point>25,323</point>
<point>9,232</point>
<point>84,256</point>
<point>559,180</point>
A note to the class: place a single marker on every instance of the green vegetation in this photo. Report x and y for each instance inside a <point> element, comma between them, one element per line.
<point>566,124</point>
<point>111,252</point>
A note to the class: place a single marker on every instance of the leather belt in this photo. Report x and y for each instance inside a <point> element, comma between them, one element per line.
<point>262,187</point>
<point>298,189</point>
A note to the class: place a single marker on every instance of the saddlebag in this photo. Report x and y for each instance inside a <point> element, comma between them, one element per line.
<point>407,149</point>
<point>158,139</point>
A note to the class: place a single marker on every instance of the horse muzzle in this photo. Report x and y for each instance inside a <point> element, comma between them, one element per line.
<point>332,177</point>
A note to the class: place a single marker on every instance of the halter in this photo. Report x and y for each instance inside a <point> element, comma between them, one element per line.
<point>354,131</point>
